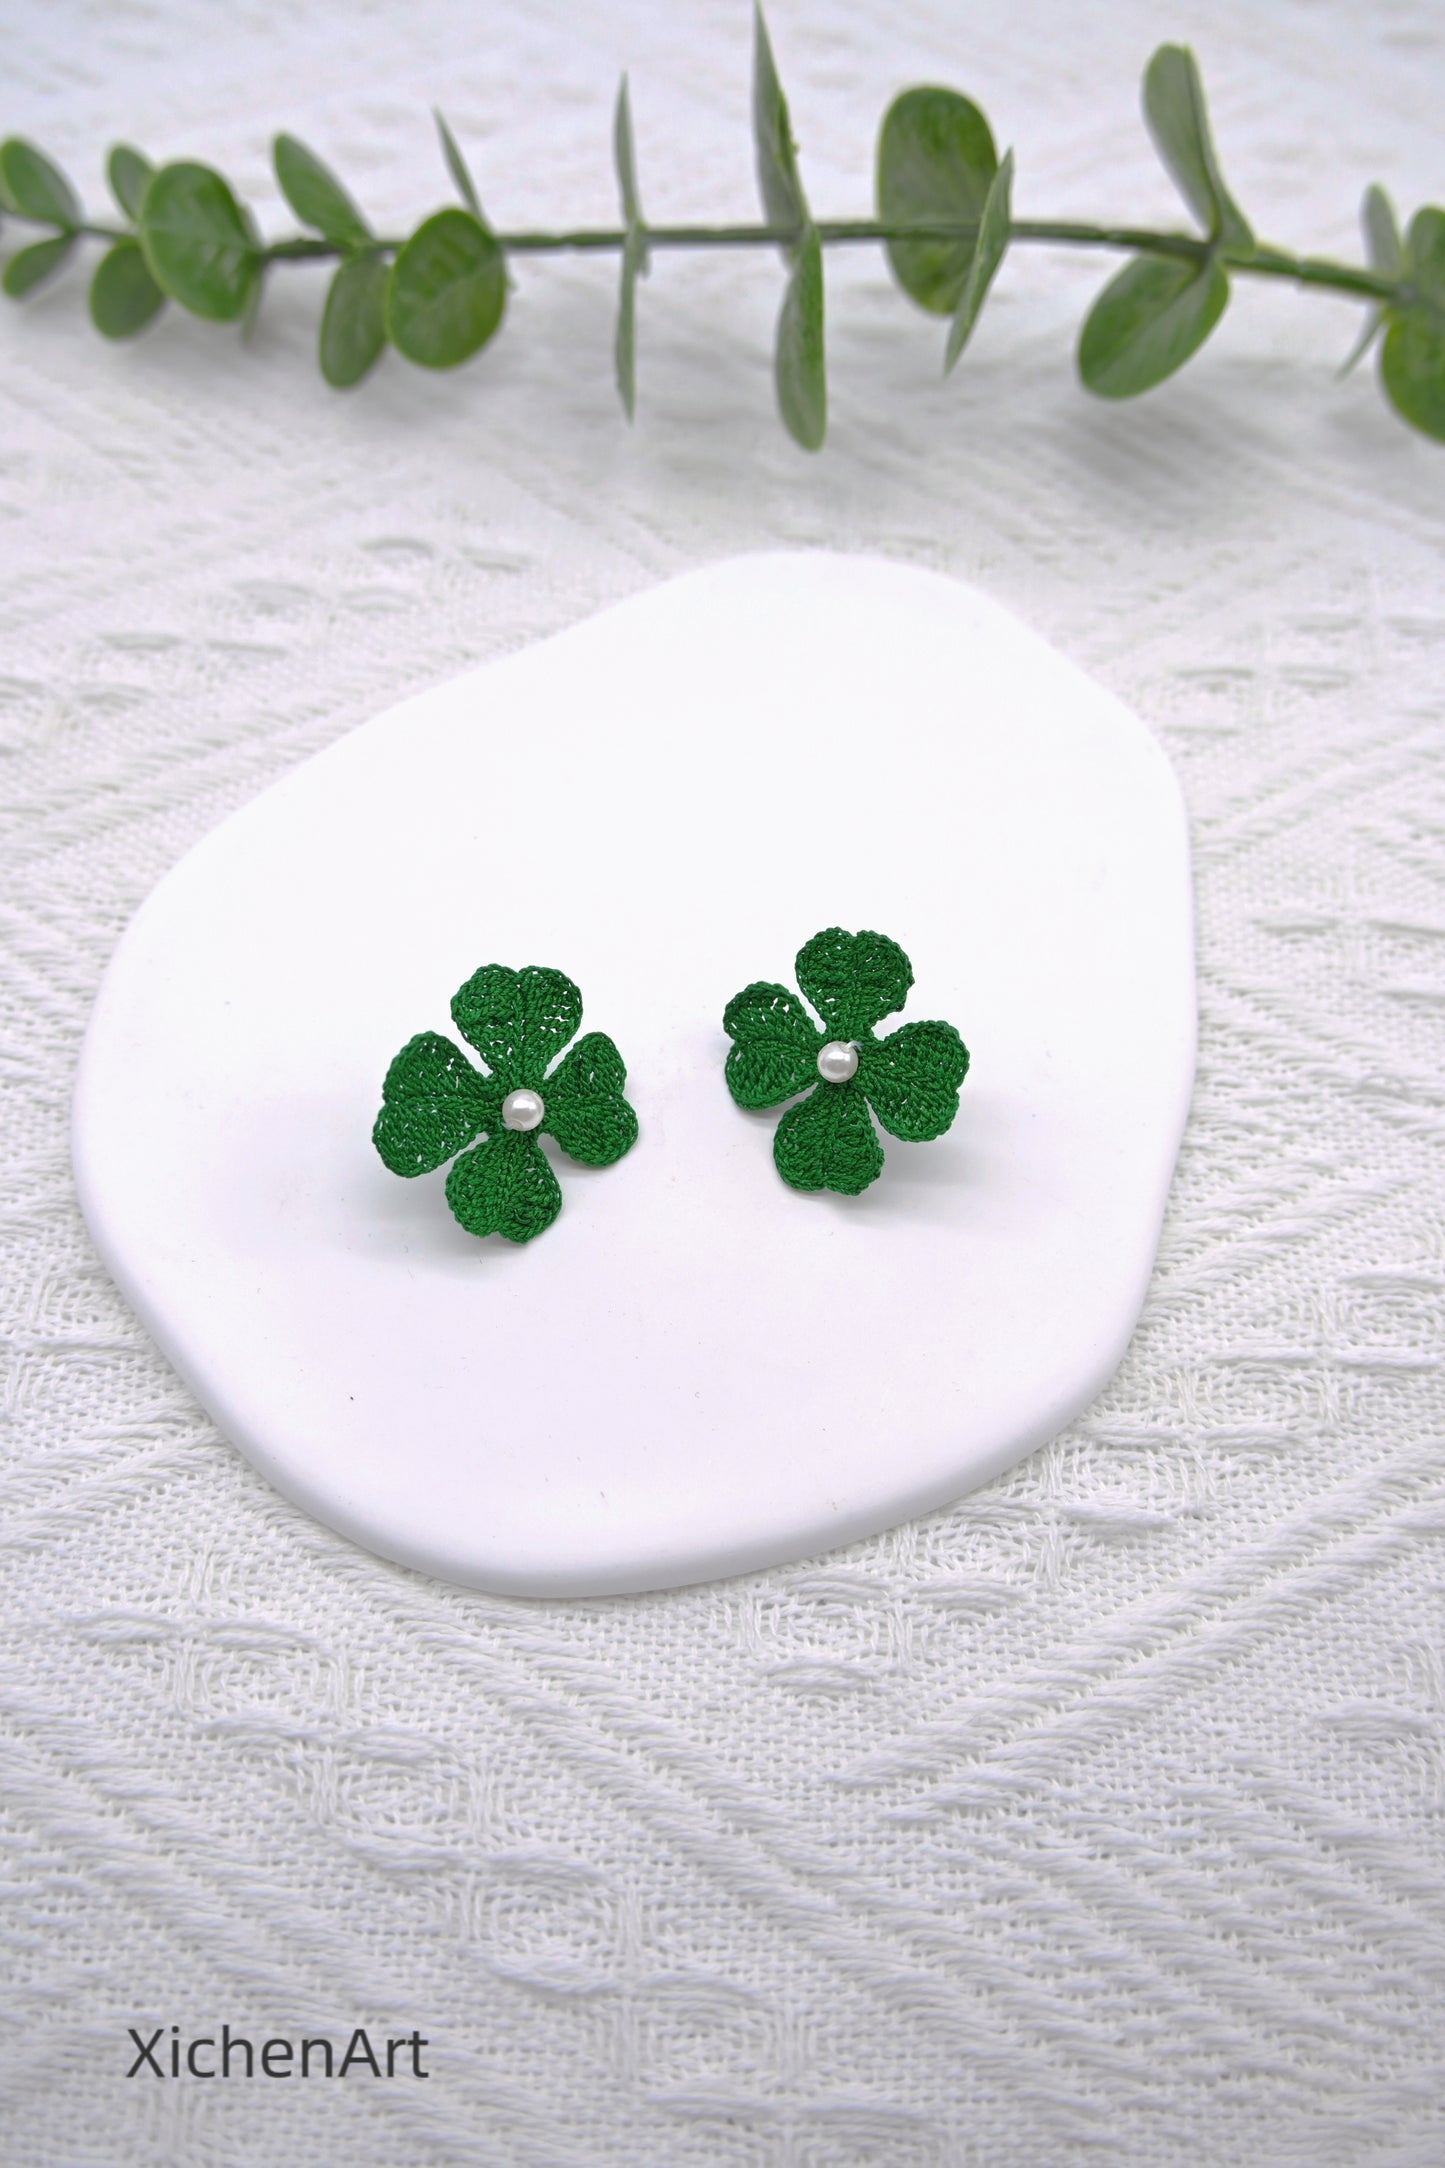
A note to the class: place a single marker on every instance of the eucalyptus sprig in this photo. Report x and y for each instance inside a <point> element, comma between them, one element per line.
<point>944,218</point>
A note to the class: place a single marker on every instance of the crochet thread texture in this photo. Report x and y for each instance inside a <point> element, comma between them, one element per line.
<point>910,1079</point>
<point>435,1103</point>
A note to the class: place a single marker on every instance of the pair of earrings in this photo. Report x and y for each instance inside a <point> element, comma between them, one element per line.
<point>437,1106</point>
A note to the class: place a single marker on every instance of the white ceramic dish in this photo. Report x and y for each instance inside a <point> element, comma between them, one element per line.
<point>695,1370</point>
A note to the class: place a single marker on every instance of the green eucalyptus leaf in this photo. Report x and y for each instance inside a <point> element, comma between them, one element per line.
<point>353,323</point>
<point>1147,322</point>
<point>634,251</point>
<point>35,187</point>
<point>1373,325</point>
<point>624,157</point>
<point>128,172</point>
<point>784,204</point>
<point>1175,111</point>
<point>1383,246</point>
<point>993,232</point>
<point>634,261</point>
<point>1425,254</point>
<point>1412,359</point>
<point>1412,371</point>
<point>252,310</point>
<point>123,295</point>
<point>799,369</point>
<point>31,266</point>
<point>315,194</point>
<point>936,165</point>
<point>200,246</point>
<point>1386,254</point>
<point>447,291</point>
<point>457,167</point>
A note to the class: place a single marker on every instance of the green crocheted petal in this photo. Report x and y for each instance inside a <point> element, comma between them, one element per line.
<point>518,1021</point>
<point>853,979</point>
<point>432,1103</point>
<point>505,1187</point>
<point>775,1045</point>
<point>586,1111</point>
<point>911,1079</point>
<point>828,1141</point>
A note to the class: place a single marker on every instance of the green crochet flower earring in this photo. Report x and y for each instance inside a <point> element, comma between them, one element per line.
<point>910,1079</point>
<point>434,1102</point>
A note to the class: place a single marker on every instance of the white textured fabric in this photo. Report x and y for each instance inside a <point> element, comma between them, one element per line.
<point>1099,1819</point>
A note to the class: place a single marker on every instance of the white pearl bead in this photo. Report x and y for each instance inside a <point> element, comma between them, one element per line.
<point>522,1110</point>
<point>838,1061</point>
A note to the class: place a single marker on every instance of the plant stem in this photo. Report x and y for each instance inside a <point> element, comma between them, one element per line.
<point>1274,263</point>
<point>1261,262</point>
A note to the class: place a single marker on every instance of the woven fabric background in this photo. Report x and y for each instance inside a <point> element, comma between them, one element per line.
<point>1099,1819</point>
